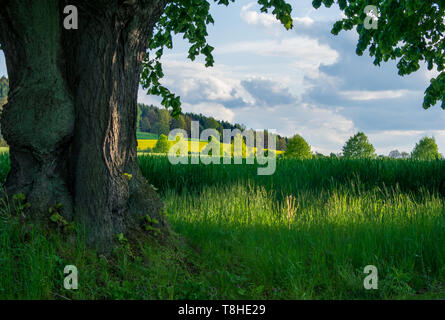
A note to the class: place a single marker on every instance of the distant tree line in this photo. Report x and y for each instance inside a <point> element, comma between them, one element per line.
<point>159,121</point>
<point>359,147</point>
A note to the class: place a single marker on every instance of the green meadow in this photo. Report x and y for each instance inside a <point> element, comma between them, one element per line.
<point>306,232</point>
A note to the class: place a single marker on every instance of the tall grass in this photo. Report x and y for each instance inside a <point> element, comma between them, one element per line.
<point>146,136</point>
<point>305,232</point>
<point>294,175</point>
<point>316,248</point>
<point>309,230</point>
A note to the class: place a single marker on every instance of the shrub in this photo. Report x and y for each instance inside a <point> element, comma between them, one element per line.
<point>162,145</point>
<point>298,148</point>
<point>358,147</point>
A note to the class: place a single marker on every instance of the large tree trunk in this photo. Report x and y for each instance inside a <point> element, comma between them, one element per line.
<point>71,116</point>
<point>38,120</point>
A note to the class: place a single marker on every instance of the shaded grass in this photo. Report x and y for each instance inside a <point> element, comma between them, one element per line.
<point>292,175</point>
<point>33,258</point>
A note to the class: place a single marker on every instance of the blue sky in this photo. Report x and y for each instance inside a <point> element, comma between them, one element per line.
<point>303,81</point>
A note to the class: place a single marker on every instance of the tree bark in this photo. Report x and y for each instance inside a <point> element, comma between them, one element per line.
<point>38,120</point>
<point>72,112</point>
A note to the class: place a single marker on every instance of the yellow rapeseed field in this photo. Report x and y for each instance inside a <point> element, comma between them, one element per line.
<point>145,144</point>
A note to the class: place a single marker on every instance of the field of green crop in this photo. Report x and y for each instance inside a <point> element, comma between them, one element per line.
<point>146,136</point>
<point>306,232</point>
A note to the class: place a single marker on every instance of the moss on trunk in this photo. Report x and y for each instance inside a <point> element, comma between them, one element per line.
<point>71,116</point>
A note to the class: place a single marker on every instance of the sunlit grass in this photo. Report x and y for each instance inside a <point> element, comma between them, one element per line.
<point>321,251</point>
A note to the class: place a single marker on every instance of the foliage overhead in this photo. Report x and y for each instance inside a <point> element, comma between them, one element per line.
<point>190,18</point>
<point>358,147</point>
<point>408,31</point>
<point>426,149</point>
<point>297,147</point>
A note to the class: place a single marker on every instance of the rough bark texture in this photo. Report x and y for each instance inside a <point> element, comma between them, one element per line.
<point>72,111</point>
<point>38,120</point>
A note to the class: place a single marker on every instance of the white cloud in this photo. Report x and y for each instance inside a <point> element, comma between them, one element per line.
<point>195,82</point>
<point>305,21</point>
<point>267,20</point>
<point>305,51</point>
<point>363,95</point>
<point>216,110</point>
<point>146,99</point>
<point>429,74</point>
<point>257,18</point>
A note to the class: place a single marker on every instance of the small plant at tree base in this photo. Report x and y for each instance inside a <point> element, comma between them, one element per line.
<point>149,225</point>
<point>20,204</point>
<point>128,176</point>
<point>57,218</point>
<point>121,238</point>
<point>124,248</point>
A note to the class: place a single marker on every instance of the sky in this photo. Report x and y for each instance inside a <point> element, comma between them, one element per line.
<point>303,81</point>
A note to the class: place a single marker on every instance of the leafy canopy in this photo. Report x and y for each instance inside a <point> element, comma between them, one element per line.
<point>297,147</point>
<point>190,18</point>
<point>358,146</point>
<point>409,31</point>
<point>426,149</point>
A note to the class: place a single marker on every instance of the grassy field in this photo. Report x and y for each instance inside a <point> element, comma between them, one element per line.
<point>305,232</point>
<point>146,136</point>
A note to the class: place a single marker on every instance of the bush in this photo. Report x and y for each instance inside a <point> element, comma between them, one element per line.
<point>162,145</point>
<point>298,148</point>
<point>358,147</point>
<point>426,149</point>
